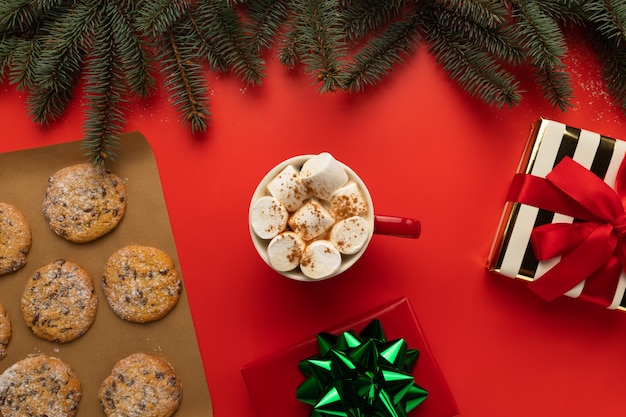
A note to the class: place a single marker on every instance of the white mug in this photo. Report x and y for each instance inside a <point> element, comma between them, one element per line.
<point>377,224</point>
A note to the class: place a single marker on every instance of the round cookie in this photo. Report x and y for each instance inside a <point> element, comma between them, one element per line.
<point>15,238</point>
<point>141,385</point>
<point>5,331</point>
<point>141,283</point>
<point>59,302</point>
<point>39,386</point>
<point>83,202</point>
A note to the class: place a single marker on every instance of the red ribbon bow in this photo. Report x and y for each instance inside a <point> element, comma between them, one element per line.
<point>593,248</point>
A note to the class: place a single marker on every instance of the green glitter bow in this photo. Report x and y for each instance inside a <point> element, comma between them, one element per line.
<point>360,375</point>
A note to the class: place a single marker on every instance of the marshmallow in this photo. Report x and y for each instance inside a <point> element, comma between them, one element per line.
<point>311,220</point>
<point>323,174</point>
<point>348,201</point>
<point>320,259</point>
<point>350,235</point>
<point>288,188</point>
<point>284,251</point>
<point>268,217</point>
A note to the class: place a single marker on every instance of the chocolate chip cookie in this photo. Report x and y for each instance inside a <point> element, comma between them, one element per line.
<point>141,283</point>
<point>83,202</point>
<point>141,385</point>
<point>39,386</point>
<point>59,302</point>
<point>15,238</point>
<point>5,331</point>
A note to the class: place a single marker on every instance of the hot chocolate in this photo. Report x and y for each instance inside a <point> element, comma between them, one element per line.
<point>313,215</point>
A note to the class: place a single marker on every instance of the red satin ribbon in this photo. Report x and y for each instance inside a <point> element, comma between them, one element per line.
<point>592,249</point>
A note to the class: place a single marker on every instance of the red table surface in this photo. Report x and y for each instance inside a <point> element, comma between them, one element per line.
<point>426,150</point>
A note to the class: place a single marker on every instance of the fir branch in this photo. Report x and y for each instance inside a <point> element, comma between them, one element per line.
<point>222,27</point>
<point>363,17</point>
<point>475,70</point>
<point>158,16</point>
<point>378,57</point>
<point>483,24</point>
<point>7,47</point>
<point>184,79</point>
<point>545,45</point>
<point>205,47</point>
<point>24,57</point>
<point>613,57</point>
<point>555,85</point>
<point>58,68</point>
<point>265,20</point>
<point>487,13</point>
<point>321,44</point>
<point>104,92</point>
<point>21,16</point>
<point>287,53</point>
<point>539,33</point>
<point>608,18</point>
<point>566,12</point>
<point>46,45</point>
<point>131,49</point>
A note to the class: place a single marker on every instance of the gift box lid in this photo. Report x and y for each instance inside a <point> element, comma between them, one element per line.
<point>272,381</point>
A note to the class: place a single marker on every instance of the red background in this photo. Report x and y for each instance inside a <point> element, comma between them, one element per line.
<point>426,150</point>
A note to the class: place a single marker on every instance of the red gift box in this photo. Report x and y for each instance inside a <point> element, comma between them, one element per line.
<point>272,381</point>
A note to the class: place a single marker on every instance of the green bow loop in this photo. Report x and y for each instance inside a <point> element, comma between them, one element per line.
<point>360,375</point>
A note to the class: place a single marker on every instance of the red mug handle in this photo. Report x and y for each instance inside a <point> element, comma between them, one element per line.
<point>397,226</point>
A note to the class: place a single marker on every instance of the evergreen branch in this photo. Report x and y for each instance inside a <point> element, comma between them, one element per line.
<point>545,44</point>
<point>132,51</point>
<point>25,55</point>
<point>205,47</point>
<point>474,70</point>
<point>223,27</point>
<point>46,45</point>
<point>539,33</point>
<point>608,17</point>
<point>7,47</point>
<point>158,16</point>
<point>46,104</point>
<point>59,64</point>
<point>265,19</point>
<point>362,17</point>
<point>21,16</point>
<point>184,80</point>
<point>556,87</point>
<point>321,43</point>
<point>613,57</point>
<point>486,13</point>
<point>483,27</point>
<point>568,12</point>
<point>287,53</point>
<point>380,54</point>
<point>104,91</point>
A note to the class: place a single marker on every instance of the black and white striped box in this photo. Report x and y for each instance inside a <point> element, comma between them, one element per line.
<point>550,141</point>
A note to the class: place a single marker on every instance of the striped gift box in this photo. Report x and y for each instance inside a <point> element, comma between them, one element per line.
<point>550,142</point>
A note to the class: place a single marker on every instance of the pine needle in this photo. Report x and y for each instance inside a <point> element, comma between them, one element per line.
<point>613,57</point>
<point>184,79</point>
<point>381,53</point>
<point>608,18</point>
<point>223,28</point>
<point>545,45</point>
<point>104,93</point>
<point>321,43</point>
<point>266,17</point>
<point>475,70</point>
<point>361,18</point>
